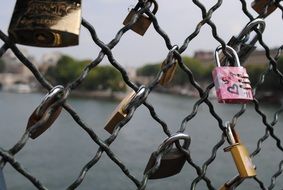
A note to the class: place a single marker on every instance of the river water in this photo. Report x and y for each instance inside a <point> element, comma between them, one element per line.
<point>57,156</point>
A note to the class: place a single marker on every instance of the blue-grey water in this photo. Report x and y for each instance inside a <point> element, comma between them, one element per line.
<point>57,156</point>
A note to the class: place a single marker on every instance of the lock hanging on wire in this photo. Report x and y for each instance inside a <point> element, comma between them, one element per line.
<point>239,153</point>
<point>242,43</point>
<point>45,110</point>
<point>171,63</point>
<point>169,162</point>
<point>48,23</point>
<point>121,111</point>
<point>143,22</point>
<point>232,84</point>
<point>263,7</point>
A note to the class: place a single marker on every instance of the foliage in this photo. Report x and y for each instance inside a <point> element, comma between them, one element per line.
<point>271,80</point>
<point>200,71</point>
<point>149,70</point>
<point>100,78</point>
<point>2,66</point>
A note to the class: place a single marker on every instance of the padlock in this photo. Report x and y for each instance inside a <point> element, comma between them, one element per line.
<point>232,84</point>
<point>263,7</point>
<point>119,113</point>
<point>169,72</point>
<point>228,185</point>
<point>243,47</point>
<point>45,108</point>
<point>46,23</point>
<point>143,22</point>
<point>239,153</point>
<point>171,161</point>
<point>2,180</point>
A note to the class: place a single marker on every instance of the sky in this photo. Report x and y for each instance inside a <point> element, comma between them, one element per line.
<point>177,18</point>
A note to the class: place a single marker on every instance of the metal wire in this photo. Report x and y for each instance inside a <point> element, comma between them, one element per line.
<point>8,156</point>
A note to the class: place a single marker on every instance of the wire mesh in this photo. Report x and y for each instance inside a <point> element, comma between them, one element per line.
<point>8,156</point>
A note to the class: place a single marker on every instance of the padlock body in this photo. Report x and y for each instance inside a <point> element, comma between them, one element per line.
<point>224,187</point>
<point>141,25</point>
<point>34,118</point>
<point>2,180</point>
<point>242,160</point>
<point>118,114</point>
<point>259,6</point>
<point>229,85</point>
<point>171,164</point>
<point>168,74</point>
<point>46,23</point>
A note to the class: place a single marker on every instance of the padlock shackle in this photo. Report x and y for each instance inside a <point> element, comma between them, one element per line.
<point>155,8</point>
<point>49,99</point>
<point>231,50</point>
<point>138,98</point>
<point>249,28</point>
<point>169,141</point>
<point>170,55</point>
<point>232,136</point>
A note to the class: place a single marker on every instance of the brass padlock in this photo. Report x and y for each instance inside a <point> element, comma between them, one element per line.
<point>170,162</point>
<point>239,153</point>
<point>171,62</point>
<point>46,23</point>
<point>44,108</point>
<point>263,7</point>
<point>119,113</point>
<point>2,180</point>
<point>228,185</point>
<point>143,22</point>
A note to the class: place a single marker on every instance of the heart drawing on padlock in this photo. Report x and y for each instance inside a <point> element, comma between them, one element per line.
<point>234,89</point>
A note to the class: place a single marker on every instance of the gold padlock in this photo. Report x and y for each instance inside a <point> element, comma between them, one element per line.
<point>240,154</point>
<point>46,23</point>
<point>119,113</point>
<point>230,183</point>
<point>260,6</point>
<point>143,22</point>
<point>169,72</point>
<point>224,187</point>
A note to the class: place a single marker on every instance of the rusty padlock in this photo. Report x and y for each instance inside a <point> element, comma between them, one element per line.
<point>169,72</point>
<point>263,7</point>
<point>2,180</point>
<point>45,110</point>
<point>239,153</point>
<point>232,84</point>
<point>46,23</point>
<point>143,22</point>
<point>168,162</point>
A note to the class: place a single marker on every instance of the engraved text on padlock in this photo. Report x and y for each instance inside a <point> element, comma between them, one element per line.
<point>46,23</point>
<point>232,84</point>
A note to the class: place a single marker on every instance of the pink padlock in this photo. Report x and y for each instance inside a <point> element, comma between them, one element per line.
<point>232,83</point>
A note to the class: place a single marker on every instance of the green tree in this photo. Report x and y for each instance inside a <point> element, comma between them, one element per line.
<point>103,78</point>
<point>2,66</point>
<point>149,70</point>
<point>100,78</point>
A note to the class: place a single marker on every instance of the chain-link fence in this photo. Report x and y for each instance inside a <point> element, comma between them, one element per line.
<point>49,110</point>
